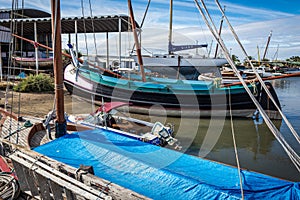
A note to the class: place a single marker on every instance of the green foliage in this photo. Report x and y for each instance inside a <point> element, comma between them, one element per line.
<point>249,57</point>
<point>35,83</point>
<point>265,59</point>
<point>294,59</point>
<point>235,58</point>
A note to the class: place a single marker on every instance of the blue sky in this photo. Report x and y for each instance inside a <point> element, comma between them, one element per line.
<point>253,20</point>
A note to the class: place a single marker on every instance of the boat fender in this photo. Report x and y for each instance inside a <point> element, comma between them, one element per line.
<point>253,84</point>
<point>50,116</point>
<point>76,74</point>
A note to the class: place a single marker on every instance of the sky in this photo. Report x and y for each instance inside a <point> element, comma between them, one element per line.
<point>252,20</point>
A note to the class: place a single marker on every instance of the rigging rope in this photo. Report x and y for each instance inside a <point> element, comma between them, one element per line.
<point>234,145</point>
<point>289,150</point>
<point>258,76</point>
<point>145,13</point>
<point>142,23</point>
<point>84,28</point>
<point>11,64</point>
<point>92,20</point>
<point>95,45</point>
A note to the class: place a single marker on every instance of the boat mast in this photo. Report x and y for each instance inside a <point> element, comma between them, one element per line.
<point>60,123</point>
<point>267,46</point>
<point>173,48</point>
<point>170,26</point>
<point>220,31</point>
<point>136,41</point>
<point>258,55</point>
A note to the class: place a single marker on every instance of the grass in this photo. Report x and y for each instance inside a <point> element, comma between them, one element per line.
<point>35,83</point>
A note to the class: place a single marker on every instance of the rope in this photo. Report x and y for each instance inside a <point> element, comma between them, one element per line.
<point>84,28</point>
<point>292,154</point>
<point>217,82</point>
<point>104,188</point>
<point>235,147</point>
<point>12,48</point>
<point>142,23</point>
<point>288,149</point>
<point>9,187</point>
<point>19,100</point>
<point>258,76</point>
<point>95,41</point>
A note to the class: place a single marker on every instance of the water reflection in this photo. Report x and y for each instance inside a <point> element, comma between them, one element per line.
<point>257,147</point>
<point>249,135</point>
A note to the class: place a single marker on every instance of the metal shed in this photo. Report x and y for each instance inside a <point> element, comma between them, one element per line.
<point>36,25</point>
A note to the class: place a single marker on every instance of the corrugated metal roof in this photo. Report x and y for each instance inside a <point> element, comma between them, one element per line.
<point>5,35</point>
<point>23,13</point>
<point>84,25</point>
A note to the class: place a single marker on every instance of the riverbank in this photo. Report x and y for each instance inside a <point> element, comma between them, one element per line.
<point>39,104</point>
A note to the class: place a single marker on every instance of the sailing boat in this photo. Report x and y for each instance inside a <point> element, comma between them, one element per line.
<point>174,65</point>
<point>177,97</point>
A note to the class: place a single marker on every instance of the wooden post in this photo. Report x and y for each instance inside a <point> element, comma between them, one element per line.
<point>76,38</point>
<point>47,44</point>
<point>120,40</point>
<point>36,49</point>
<point>60,124</point>
<point>0,62</point>
<point>107,52</point>
<point>220,31</point>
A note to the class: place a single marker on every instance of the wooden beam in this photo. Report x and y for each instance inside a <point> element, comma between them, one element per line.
<point>58,180</point>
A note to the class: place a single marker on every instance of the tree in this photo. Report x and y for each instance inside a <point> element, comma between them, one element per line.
<point>294,59</point>
<point>265,59</point>
<point>235,58</point>
<point>249,57</point>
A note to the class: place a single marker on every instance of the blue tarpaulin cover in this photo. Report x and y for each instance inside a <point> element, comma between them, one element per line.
<point>162,173</point>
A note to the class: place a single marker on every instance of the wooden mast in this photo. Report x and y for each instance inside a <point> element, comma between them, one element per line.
<point>136,41</point>
<point>60,123</point>
<point>220,31</point>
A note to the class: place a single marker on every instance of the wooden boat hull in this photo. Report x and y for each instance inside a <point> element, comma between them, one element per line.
<point>31,62</point>
<point>207,101</point>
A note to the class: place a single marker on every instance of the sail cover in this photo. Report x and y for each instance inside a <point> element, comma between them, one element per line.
<point>161,173</point>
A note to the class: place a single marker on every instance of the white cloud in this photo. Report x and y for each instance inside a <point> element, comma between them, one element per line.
<point>188,24</point>
<point>285,35</point>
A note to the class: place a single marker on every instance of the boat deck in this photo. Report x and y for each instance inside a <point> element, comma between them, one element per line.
<point>17,131</point>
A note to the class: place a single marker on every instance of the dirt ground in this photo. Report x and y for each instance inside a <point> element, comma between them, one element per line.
<point>40,104</point>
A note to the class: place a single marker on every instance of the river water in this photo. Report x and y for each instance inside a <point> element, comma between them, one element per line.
<point>257,148</point>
